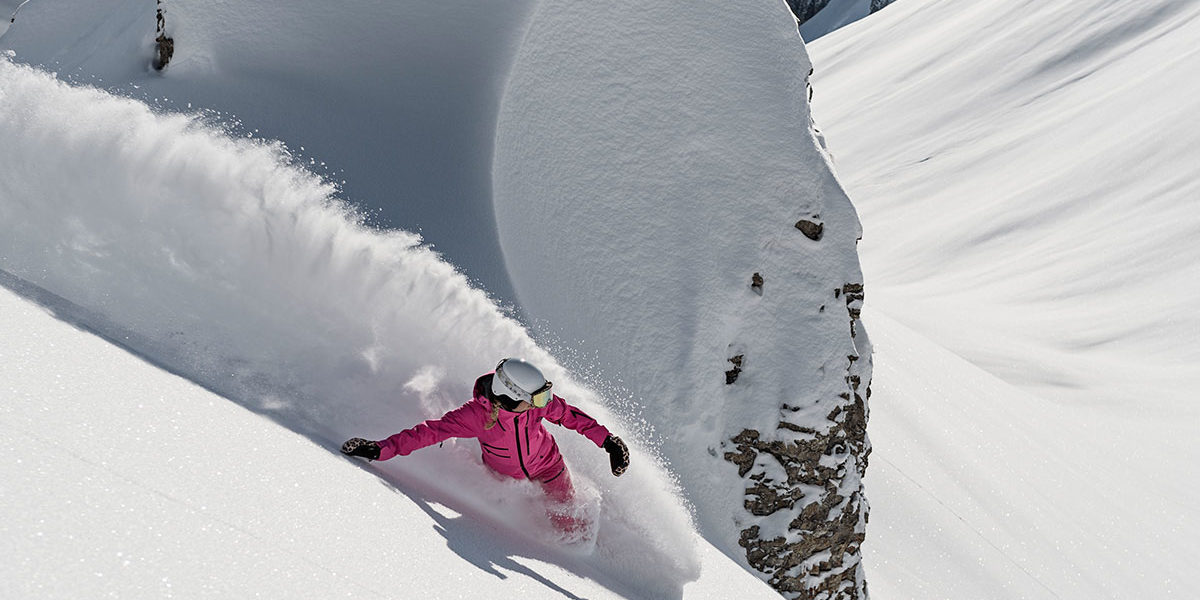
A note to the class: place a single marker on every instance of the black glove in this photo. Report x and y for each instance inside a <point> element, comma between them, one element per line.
<point>361,447</point>
<point>618,454</point>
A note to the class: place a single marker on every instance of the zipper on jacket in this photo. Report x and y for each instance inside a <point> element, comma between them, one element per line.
<point>520,456</point>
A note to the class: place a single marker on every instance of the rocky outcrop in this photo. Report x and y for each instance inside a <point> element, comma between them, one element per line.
<point>812,478</point>
<point>803,479</point>
<point>877,5</point>
<point>806,9</point>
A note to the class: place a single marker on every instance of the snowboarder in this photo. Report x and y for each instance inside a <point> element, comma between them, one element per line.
<point>505,416</point>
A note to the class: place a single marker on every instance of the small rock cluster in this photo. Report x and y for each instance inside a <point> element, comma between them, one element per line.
<point>164,46</point>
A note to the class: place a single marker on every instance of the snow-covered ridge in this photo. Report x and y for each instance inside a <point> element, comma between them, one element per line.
<point>218,260</point>
<point>653,175</point>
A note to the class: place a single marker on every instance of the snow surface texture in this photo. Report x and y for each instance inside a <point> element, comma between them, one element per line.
<point>394,101</point>
<point>121,480</point>
<point>1027,179</point>
<point>216,259</point>
<point>638,192</point>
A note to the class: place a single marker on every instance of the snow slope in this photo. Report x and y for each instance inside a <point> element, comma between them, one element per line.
<point>1026,176</point>
<point>215,258</point>
<point>982,490</point>
<point>122,480</point>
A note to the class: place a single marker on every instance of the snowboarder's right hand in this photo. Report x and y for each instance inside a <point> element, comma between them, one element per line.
<point>360,447</point>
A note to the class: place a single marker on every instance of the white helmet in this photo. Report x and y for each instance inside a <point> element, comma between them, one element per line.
<point>521,381</point>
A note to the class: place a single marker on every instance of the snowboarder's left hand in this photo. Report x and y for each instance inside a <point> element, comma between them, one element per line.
<point>618,454</point>
<point>360,447</point>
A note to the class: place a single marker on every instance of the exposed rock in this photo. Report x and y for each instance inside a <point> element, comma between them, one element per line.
<point>877,5</point>
<point>805,9</point>
<point>164,46</point>
<point>756,283</point>
<point>814,476</point>
<point>164,50</point>
<point>812,230</point>
<point>826,524</point>
<point>732,374</point>
<point>854,301</point>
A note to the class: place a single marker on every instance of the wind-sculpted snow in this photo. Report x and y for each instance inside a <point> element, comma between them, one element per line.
<point>1026,173</point>
<point>650,166</point>
<point>218,259</point>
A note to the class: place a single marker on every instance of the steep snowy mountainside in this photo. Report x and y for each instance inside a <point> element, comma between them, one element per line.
<point>121,480</point>
<point>648,204</point>
<point>979,157</point>
<point>837,14</point>
<point>981,490</point>
<point>395,101</point>
<point>216,259</point>
<point>1028,196</point>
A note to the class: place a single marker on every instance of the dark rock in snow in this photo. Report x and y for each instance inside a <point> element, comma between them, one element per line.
<point>819,558</point>
<point>164,46</point>
<point>805,9</point>
<point>732,374</point>
<point>810,229</point>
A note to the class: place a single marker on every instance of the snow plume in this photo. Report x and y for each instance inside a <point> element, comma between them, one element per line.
<point>218,259</point>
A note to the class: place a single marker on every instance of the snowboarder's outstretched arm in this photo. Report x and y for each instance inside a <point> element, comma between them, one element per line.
<point>558,411</point>
<point>463,421</point>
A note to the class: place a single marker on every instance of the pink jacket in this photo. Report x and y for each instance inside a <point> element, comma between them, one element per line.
<point>517,445</point>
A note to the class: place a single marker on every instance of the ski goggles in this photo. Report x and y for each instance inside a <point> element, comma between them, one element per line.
<point>541,397</point>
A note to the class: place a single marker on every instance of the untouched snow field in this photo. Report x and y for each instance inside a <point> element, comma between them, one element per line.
<point>1027,177</point>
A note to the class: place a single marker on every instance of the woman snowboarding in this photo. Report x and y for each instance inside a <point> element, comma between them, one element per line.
<point>505,416</point>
